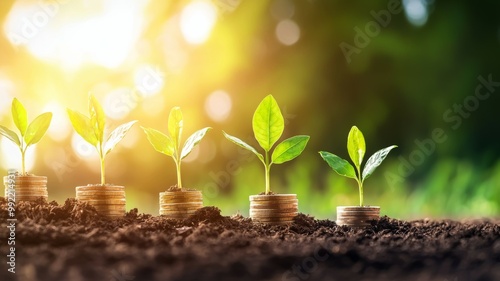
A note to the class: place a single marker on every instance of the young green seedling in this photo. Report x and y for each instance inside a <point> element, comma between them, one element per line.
<point>91,129</point>
<point>268,125</point>
<point>170,144</point>
<point>29,133</point>
<point>356,147</point>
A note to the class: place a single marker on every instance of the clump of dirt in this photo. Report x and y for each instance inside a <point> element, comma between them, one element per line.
<point>73,242</point>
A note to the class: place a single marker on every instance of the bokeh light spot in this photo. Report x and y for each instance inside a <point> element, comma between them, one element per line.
<point>197,21</point>
<point>149,80</point>
<point>193,155</point>
<point>218,105</point>
<point>6,90</point>
<point>82,148</point>
<point>11,156</point>
<point>416,11</point>
<point>59,127</point>
<point>287,32</point>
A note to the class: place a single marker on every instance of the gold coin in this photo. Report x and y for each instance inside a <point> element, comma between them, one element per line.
<point>181,194</point>
<point>270,220</point>
<point>274,197</point>
<point>105,201</point>
<point>110,208</point>
<point>101,192</point>
<point>99,188</point>
<point>274,206</point>
<point>267,211</point>
<point>182,205</point>
<point>197,201</point>
<point>356,216</point>
<point>25,198</point>
<point>31,192</point>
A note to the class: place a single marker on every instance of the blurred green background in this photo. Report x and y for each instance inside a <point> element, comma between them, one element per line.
<point>421,74</point>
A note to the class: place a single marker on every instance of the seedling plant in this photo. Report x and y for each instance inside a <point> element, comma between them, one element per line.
<point>29,133</point>
<point>268,126</point>
<point>356,148</point>
<point>92,128</point>
<point>170,144</point>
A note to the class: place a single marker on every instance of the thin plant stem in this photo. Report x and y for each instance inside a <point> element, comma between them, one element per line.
<point>360,187</point>
<point>267,167</point>
<point>179,181</point>
<point>103,172</point>
<point>23,160</point>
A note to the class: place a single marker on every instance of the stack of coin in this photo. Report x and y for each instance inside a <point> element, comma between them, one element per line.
<point>274,209</point>
<point>357,216</point>
<point>180,204</point>
<point>108,200</point>
<point>28,188</point>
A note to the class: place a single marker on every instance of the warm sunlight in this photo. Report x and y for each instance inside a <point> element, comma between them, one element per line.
<point>105,38</point>
<point>197,21</point>
<point>218,105</point>
<point>11,156</point>
<point>60,126</point>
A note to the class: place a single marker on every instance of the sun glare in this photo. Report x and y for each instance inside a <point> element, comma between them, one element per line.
<point>11,156</point>
<point>59,127</point>
<point>6,89</point>
<point>197,20</point>
<point>104,34</point>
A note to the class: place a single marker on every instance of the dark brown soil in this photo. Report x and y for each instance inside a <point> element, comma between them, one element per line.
<point>72,242</point>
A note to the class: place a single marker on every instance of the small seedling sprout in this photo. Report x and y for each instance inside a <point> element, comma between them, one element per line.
<point>268,126</point>
<point>356,148</point>
<point>29,133</point>
<point>170,144</point>
<point>91,129</point>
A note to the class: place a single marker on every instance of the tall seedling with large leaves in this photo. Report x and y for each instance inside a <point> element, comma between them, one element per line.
<point>91,129</point>
<point>356,148</point>
<point>30,133</point>
<point>170,144</point>
<point>268,125</point>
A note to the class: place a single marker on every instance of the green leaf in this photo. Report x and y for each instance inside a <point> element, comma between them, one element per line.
<point>192,141</point>
<point>19,116</point>
<point>175,125</point>
<point>356,146</point>
<point>244,145</point>
<point>289,149</point>
<point>117,135</point>
<point>83,127</point>
<point>339,165</point>
<point>97,118</point>
<point>37,129</point>
<point>268,123</point>
<point>160,142</point>
<point>375,160</point>
<point>11,135</point>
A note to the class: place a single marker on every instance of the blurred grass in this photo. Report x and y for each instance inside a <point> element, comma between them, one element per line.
<point>453,189</point>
